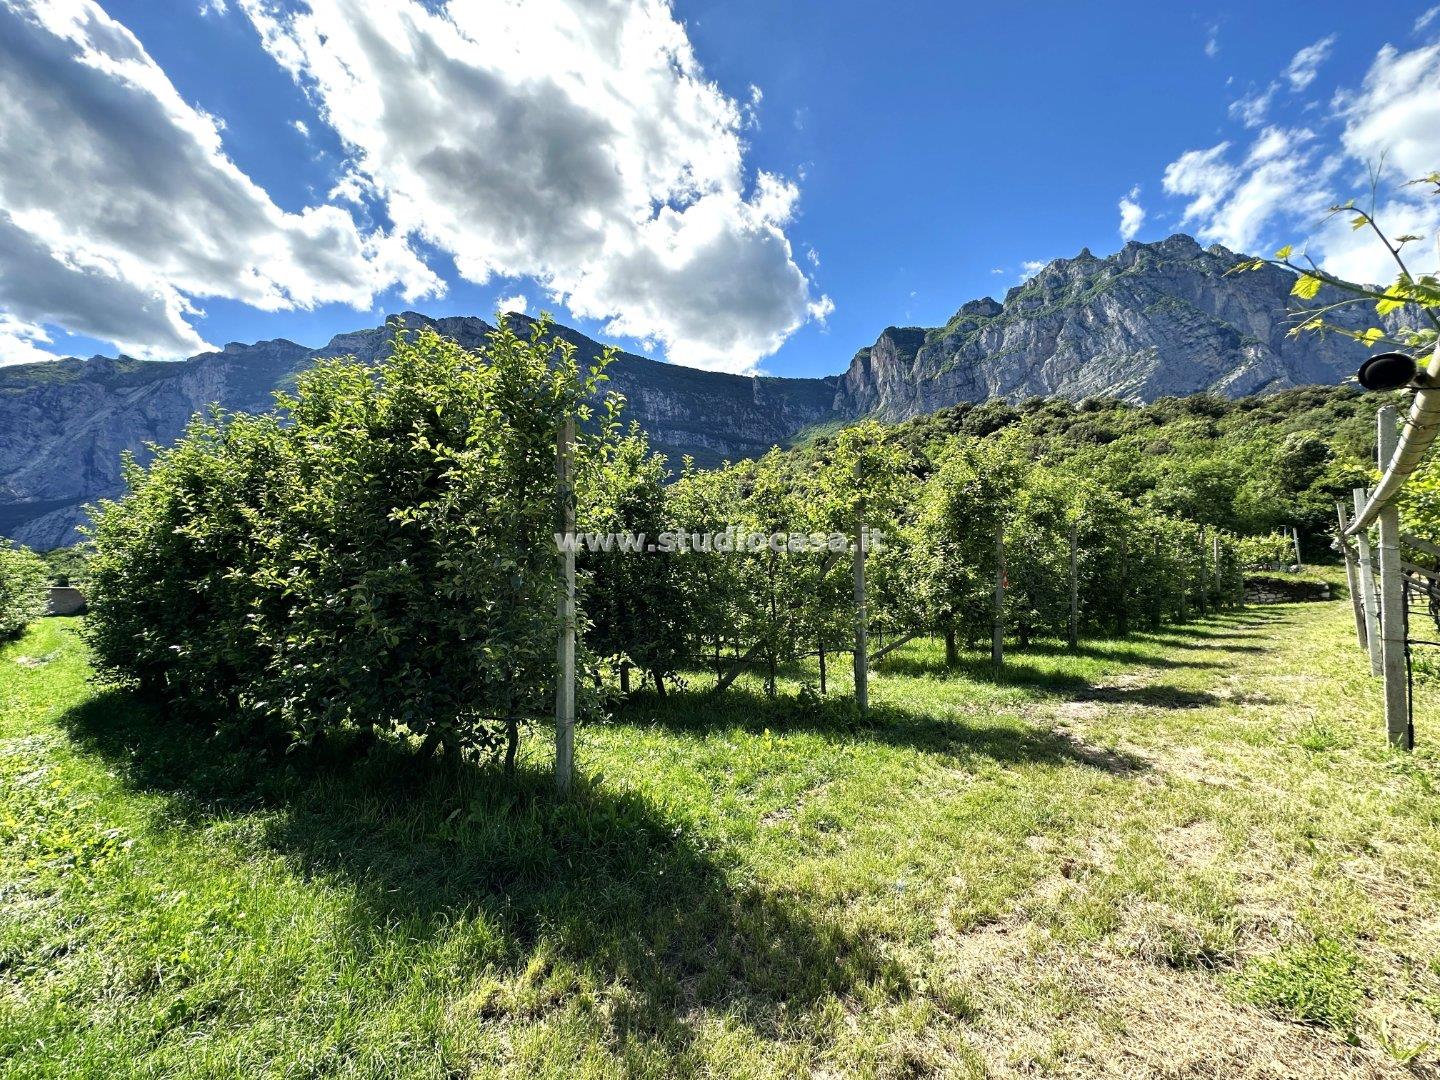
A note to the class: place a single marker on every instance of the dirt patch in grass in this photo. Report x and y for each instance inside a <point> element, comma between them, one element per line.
<point>1041,1009</point>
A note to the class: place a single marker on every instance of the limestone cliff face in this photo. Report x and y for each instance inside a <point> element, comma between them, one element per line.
<point>1152,320</point>
<point>64,426</point>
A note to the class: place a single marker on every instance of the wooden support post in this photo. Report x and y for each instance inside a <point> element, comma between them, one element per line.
<point>565,649</point>
<point>1352,577</point>
<point>1392,600</point>
<point>1073,628</point>
<point>1368,596</point>
<point>997,632</point>
<point>862,629</point>
<point>1295,538</point>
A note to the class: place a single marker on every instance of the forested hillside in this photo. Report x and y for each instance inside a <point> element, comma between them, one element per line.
<point>1249,465</point>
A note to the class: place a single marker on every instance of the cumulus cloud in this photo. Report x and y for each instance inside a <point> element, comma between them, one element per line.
<point>1392,122</point>
<point>1233,202</point>
<point>517,304</point>
<point>1274,190</point>
<point>1252,109</point>
<point>1305,65</point>
<point>1132,214</point>
<point>580,145</point>
<point>1030,267</point>
<point>121,207</point>
<point>20,343</point>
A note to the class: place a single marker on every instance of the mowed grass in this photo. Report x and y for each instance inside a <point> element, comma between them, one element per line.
<point>1188,851</point>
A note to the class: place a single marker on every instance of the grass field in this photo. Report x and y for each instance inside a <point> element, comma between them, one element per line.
<point>1183,853</point>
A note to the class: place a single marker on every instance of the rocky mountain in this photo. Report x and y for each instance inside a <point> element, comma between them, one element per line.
<point>1153,320</point>
<point>1150,321</point>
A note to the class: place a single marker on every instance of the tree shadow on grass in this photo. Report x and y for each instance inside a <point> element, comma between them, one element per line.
<point>835,719</point>
<point>1163,696</point>
<point>604,880</point>
<point>977,667</point>
<point>1111,651</point>
<point>1178,643</point>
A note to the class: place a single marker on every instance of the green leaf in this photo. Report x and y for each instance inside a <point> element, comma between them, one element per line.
<point>1284,253</point>
<point>1307,287</point>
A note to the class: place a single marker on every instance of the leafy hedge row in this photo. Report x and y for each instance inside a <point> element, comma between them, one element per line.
<point>939,513</point>
<point>23,580</point>
<point>378,552</point>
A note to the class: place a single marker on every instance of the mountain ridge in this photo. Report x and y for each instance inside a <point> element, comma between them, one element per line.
<point>1153,320</point>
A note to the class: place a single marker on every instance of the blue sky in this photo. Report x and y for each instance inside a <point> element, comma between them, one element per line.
<point>821,171</point>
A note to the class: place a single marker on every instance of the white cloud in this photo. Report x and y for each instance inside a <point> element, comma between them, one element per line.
<point>997,270</point>
<point>517,304</point>
<point>1234,204</point>
<point>1252,109</point>
<point>1394,116</point>
<point>752,108</point>
<point>1132,214</point>
<point>1203,176</point>
<point>577,144</point>
<point>1305,65</point>
<point>1396,111</point>
<point>1212,40</point>
<point>121,208</point>
<point>1426,19</point>
<point>1030,267</point>
<point>302,127</point>
<point>1276,189</point>
<point>20,342</point>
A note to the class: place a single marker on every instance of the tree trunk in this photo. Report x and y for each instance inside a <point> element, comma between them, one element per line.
<point>952,654</point>
<point>625,677</point>
<point>512,743</point>
<point>822,667</point>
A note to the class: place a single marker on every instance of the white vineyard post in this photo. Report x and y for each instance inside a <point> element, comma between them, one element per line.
<point>997,635</point>
<point>1215,568</point>
<point>1073,629</point>
<point>862,628</point>
<point>1368,596</point>
<point>565,648</point>
<point>1184,596</point>
<point>1392,599</point>
<point>1203,587</point>
<point>1352,578</point>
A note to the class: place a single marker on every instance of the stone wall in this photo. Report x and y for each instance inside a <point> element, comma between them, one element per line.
<point>65,601</point>
<point>1273,589</point>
